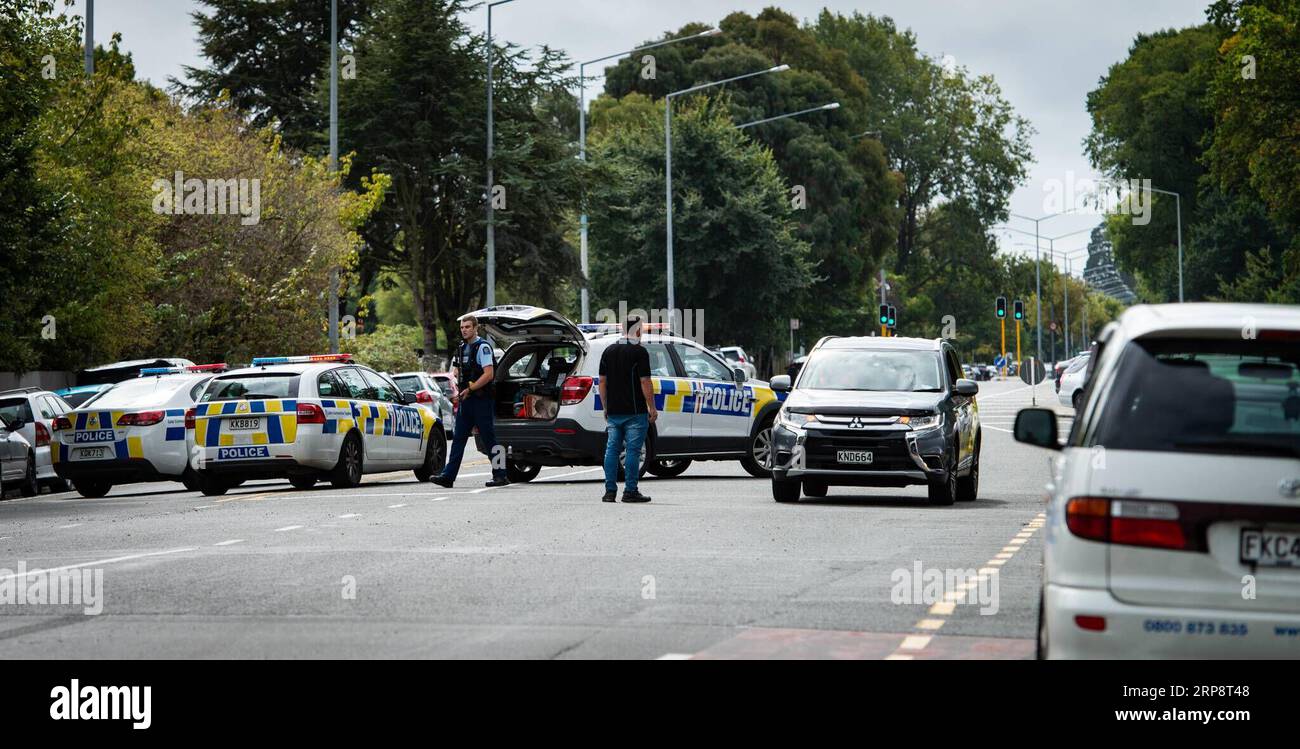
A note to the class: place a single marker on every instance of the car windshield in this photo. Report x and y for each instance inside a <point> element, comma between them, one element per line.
<point>252,387</point>
<point>909,371</point>
<point>409,384</point>
<point>143,392</point>
<point>1219,396</point>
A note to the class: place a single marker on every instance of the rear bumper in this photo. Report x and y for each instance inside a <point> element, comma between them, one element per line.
<point>1139,632</point>
<point>903,458</point>
<point>275,468</point>
<point>127,471</point>
<point>563,442</point>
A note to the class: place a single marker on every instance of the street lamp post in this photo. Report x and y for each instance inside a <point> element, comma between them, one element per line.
<point>668,167</point>
<point>1178,205</point>
<point>491,292</point>
<point>90,38</point>
<point>582,144</point>
<point>333,296</point>
<point>824,107</point>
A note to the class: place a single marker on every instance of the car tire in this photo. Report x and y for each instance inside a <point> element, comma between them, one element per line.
<point>646,460</point>
<point>815,488</point>
<point>58,486</point>
<point>785,490</point>
<point>1040,638</point>
<point>212,486</point>
<point>968,486</point>
<point>522,473</point>
<point>348,471</point>
<point>669,468</point>
<point>91,489</point>
<point>30,486</point>
<point>1076,400</point>
<point>302,483</point>
<point>435,457</point>
<point>190,479</point>
<point>758,452</point>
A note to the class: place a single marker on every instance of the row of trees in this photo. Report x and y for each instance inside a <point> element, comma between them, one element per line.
<point>1210,112</point>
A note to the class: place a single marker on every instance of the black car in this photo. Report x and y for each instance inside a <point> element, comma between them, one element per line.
<point>878,412</point>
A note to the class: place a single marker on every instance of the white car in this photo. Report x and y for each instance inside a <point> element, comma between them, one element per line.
<point>31,411</point>
<point>1069,387</point>
<point>737,357</point>
<point>549,411</point>
<point>133,433</point>
<point>1173,515</point>
<point>17,461</point>
<point>429,391</point>
<point>304,418</point>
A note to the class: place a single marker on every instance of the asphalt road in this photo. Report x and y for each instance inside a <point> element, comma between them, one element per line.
<point>712,568</point>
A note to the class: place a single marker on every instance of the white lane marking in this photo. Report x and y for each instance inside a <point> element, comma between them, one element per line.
<point>394,507</point>
<point>437,499</point>
<point>931,624</point>
<point>231,542</point>
<point>899,657</point>
<point>70,525</point>
<point>204,507</point>
<point>349,515</point>
<point>574,473</point>
<point>99,562</point>
<point>288,528</point>
<point>915,642</point>
<point>999,429</point>
<point>674,657</point>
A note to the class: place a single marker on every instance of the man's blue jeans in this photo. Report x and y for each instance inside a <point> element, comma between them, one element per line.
<point>632,430</point>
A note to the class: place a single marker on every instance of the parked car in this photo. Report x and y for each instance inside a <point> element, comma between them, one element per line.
<point>737,357</point>
<point>79,395</point>
<point>126,370</point>
<point>1177,490</point>
<point>17,460</point>
<point>32,412</point>
<point>1069,386</point>
<point>428,390</point>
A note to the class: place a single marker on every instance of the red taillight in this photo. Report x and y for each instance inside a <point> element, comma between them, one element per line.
<point>424,396</point>
<point>1127,522</point>
<point>42,435</point>
<point>61,423</point>
<point>310,413</point>
<point>574,390</point>
<point>1091,623</point>
<point>141,419</point>
<point>189,418</point>
<point>566,431</point>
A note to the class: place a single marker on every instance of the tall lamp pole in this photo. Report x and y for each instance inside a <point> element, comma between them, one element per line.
<point>334,163</point>
<point>491,293</point>
<point>90,38</point>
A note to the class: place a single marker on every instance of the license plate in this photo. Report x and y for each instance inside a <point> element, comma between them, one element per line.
<point>860,457</point>
<point>243,452</point>
<point>1266,548</point>
<point>91,453</point>
<point>244,425</point>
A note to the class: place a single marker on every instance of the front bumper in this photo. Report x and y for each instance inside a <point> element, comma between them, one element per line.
<point>901,457</point>
<point>1158,632</point>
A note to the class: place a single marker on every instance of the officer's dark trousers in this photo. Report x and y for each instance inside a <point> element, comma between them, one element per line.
<point>474,411</point>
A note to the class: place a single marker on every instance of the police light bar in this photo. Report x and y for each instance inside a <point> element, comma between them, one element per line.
<point>262,361</point>
<point>613,327</point>
<point>153,371</point>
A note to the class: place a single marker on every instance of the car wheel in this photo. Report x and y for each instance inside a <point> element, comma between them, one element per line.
<point>347,473</point>
<point>1040,649</point>
<point>302,483</point>
<point>647,457</point>
<point>758,458</point>
<point>435,457</point>
<point>667,468</point>
<point>522,473</point>
<point>30,486</point>
<point>212,486</point>
<point>968,486</point>
<point>1077,400</point>
<point>944,492</point>
<point>190,479</point>
<point>815,488</point>
<point>785,490</point>
<point>92,489</point>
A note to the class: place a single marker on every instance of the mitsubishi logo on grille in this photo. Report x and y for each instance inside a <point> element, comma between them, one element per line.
<point>857,423</point>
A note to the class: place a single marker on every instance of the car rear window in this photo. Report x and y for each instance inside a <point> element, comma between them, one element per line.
<point>1221,396</point>
<point>256,386</point>
<point>16,409</point>
<point>144,392</point>
<point>410,384</point>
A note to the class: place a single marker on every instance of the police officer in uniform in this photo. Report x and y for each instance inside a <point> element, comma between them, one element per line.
<point>475,367</point>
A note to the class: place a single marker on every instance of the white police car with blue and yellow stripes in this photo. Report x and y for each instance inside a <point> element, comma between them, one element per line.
<point>549,411</point>
<point>307,418</point>
<point>134,432</point>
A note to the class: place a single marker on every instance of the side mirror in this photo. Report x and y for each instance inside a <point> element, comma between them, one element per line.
<point>408,398</point>
<point>1037,426</point>
<point>780,384</point>
<point>967,387</point>
<point>738,375</point>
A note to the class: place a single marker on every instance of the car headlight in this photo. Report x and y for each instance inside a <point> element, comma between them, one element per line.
<point>793,421</point>
<point>922,423</point>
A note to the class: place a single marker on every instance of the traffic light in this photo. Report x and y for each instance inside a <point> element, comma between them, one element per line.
<point>884,314</point>
<point>1002,308</point>
<point>893,317</point>
<point>1019,309</point>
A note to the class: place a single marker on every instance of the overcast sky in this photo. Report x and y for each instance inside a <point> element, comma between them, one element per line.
<point>1045,54</point>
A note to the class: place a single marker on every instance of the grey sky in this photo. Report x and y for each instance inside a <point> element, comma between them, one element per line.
<point>1045,55</point>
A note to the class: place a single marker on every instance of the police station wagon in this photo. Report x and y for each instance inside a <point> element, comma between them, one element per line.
<point>548,405</point>
<point>307,418</point>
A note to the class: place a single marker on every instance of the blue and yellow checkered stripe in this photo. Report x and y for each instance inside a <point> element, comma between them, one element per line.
<point>281,422</point>
<point>123,449</point>
<point>677,395</point>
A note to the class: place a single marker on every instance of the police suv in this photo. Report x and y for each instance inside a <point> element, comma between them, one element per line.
<point>134,432</point>
<point>548,409</point>
<point>306,418</point>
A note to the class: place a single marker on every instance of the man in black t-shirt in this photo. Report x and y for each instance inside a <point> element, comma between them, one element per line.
<point>628,399</point>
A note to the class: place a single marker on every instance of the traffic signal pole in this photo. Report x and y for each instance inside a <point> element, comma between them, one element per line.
<point>1002,352</point>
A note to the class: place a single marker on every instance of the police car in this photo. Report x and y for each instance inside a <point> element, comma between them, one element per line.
<point>307,418</point>
<point>134,432</point>
<point>548,405</point>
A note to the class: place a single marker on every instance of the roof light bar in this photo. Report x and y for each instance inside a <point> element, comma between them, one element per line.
<point>263,361</point>
<point>154,371</point>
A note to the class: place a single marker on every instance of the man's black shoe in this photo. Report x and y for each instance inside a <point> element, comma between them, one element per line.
<point>609,497</point>
<point>635,497</point>
<point>442,481</point>
<point>497,482</point>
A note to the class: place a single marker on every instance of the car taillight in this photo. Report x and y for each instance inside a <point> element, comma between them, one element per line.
<point>189,418</point>
<point>424,396</point>
<point>141,419</point>
<point>42,435</point>
<point>310,413</point>
<point>1126,521</point>
<point>1090,623</point>
<point>62,423</point>
<point>574,390</point>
